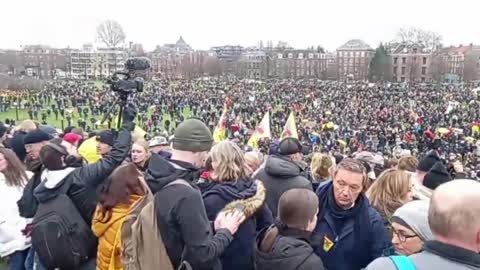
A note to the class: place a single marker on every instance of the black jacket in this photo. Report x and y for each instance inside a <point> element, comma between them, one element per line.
<point>181,216</point>
<point>86,179</point>
<point>27,205</point>
<point>279,175</point>
<point>290,251</point>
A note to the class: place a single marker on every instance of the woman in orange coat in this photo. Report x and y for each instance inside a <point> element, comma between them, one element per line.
<point>122,193</point>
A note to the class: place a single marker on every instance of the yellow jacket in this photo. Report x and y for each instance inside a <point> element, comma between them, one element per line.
<point>109,254</point>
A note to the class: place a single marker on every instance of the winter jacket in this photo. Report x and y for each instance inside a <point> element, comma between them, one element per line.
<point>335,247</point>
<point>109,233</point>
<point>290,250</point>
<point>11,224</point>
<point>86,179</point>
<point>279,175</point>
<point>181,216</point>
<point>436,255</point>
<point>27,204</point>
<point>239,254</point>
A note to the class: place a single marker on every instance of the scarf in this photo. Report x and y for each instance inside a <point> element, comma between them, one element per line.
<point>34,165</point>
<point>359,213</point>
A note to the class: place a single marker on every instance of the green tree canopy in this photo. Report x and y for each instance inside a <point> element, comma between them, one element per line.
<point>380,65</point>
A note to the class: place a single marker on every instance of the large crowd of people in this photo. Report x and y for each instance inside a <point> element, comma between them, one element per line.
<point>380,176</point>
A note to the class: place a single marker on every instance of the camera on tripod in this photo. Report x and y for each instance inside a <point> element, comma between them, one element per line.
<point>127,82</point>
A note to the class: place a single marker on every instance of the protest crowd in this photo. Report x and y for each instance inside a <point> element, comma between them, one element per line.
<point>221,173</point>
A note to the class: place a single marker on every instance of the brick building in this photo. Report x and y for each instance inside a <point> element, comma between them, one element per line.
<point>456,64</point>
<point>353,60</point>
<point>411,63</point>
<point>255,63</point>
<point>296,64</point>
<point>230,58</point>
<point>169,60</point>
<point>33,60</point>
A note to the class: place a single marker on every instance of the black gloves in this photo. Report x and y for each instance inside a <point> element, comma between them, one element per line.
<point>129,114</point>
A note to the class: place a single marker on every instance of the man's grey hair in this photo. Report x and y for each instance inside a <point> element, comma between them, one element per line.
<point>455,210</point>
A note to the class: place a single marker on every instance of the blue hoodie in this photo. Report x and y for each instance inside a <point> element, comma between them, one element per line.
<point>240,253</point>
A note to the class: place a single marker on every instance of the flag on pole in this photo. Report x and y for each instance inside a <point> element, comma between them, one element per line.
<point>220,132</point>
<point>261,131</point>
<point>290,129</point>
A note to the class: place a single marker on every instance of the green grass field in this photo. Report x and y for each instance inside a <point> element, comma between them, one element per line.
<point>23,115</point>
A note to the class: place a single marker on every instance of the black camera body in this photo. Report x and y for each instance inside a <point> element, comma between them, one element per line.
<point>126,82</point>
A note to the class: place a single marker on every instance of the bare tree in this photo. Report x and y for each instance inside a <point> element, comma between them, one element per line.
<point>470,69</point>
<point>428,39</point>
<point>110,33</point>
<point>438,68</point>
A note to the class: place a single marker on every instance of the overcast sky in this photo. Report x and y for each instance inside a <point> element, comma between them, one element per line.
<point>206,23</point>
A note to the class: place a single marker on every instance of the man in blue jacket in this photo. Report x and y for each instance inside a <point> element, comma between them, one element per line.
<point>349,234</point>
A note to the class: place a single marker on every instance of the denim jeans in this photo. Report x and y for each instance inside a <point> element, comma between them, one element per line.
<point>90,265</point>
<point>29,259</point>
<point>17,260</point>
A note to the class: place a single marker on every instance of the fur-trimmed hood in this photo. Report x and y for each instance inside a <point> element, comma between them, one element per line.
<point>250,204</point>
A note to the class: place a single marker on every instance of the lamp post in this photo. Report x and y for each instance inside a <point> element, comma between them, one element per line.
<point>16,109</point>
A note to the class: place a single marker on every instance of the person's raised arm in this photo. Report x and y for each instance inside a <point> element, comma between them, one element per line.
<point>94,174</point>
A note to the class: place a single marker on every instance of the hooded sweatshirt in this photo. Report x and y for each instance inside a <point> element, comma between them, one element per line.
<point>279,175</point>
<point>290,250</point>
<point>181,216</point>
<point>239,254</point>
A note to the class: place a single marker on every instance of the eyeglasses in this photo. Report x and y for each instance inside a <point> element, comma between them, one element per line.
<point>401,236</point>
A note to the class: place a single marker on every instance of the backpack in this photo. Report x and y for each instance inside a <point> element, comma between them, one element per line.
<point>144,249</point>
<point>61,237</point>
<point>403,262</point>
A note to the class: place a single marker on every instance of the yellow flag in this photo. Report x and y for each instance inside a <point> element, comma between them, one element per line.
<point>88,150</point>
<point>220,132</point>
<point>290,129</point>
<point>261,131</point>
<point>138,133</point>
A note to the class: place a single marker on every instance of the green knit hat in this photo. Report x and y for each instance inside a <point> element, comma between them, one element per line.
<point>192,135</point>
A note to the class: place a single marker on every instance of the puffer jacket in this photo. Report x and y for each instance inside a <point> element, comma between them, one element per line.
<point>109,233</point>
<point>279,175</point>
<point>240,253</point>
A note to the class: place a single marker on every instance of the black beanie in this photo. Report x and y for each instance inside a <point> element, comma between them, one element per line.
<point>290,146</point>
<point>426,164</point>
<point>106,137</point>
<point>36,136</point>
<point>436,176</point>
<point>192,135</point>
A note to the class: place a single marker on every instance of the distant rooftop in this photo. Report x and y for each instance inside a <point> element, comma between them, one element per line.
<point>355,45</point>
